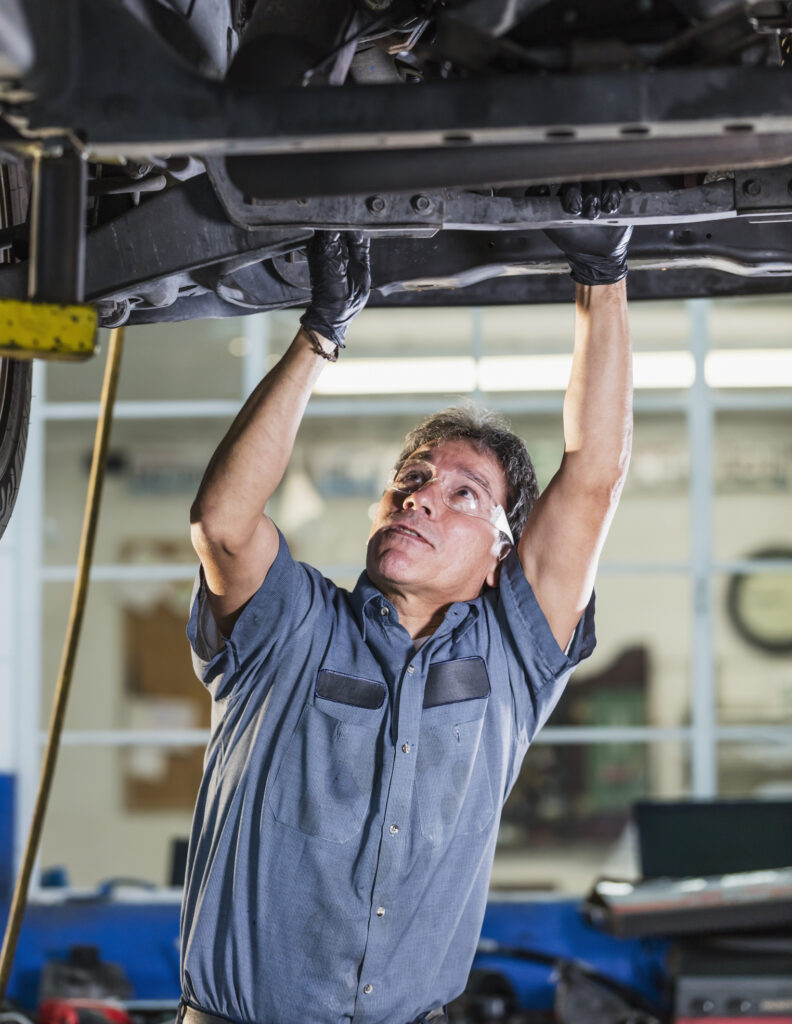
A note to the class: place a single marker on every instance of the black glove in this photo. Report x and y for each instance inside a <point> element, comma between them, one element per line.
<point>340,282</point>
<point>596,255</point>
<point>591,198</point>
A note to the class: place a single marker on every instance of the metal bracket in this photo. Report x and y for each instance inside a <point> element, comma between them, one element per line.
<point>422,213</point>
<point>764,193</point>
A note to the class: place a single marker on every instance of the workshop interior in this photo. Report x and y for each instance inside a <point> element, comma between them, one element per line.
<point>163,164</point>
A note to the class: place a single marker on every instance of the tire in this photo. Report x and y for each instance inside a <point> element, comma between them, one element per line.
<point>15,374</point>
<point>15,378</point>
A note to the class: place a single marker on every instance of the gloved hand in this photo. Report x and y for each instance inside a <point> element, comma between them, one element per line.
<point>596,255</point>
<point>340,282</point>
<point>591,198</point>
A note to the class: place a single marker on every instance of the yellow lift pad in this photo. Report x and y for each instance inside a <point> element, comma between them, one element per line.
<point>46,330</point>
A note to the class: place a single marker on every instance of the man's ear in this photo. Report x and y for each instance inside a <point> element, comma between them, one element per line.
<point>494,574</point>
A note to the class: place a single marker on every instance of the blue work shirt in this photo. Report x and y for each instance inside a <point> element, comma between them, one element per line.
<point>345,827</point>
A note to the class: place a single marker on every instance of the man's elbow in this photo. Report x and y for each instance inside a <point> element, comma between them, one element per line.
<point>221,529</point>
<point>203,521</point>
<point>199,535</point>
<point>210,535</point>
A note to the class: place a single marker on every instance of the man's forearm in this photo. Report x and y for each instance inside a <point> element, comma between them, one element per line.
<point>251,459</point>
<point>598,403</point>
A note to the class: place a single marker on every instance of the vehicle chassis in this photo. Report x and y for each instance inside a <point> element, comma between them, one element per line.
<point>441,176</point>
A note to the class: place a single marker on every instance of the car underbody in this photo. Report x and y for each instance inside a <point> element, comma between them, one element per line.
<point>203,143</point>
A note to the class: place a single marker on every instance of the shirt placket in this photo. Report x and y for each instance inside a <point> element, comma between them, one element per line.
<point>394,833</point>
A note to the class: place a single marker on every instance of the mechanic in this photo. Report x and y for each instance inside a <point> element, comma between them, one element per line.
<point>363,743</point>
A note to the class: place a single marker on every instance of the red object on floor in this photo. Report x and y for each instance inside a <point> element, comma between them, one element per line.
<point>83,1011</point>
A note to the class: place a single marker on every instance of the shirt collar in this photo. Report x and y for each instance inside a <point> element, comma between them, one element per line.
<point>368,600</point>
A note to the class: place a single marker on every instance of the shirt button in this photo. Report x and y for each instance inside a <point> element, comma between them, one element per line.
<point>393,829</point>
<point>368,989</point>
<point>380,911</point>
<point>410,670</point>
<point>383,611</point>
<point>406,748</point>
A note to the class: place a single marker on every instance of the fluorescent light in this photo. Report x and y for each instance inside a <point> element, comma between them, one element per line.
<point>752,368</point>
<point>524,373</point>
<point>398,376</point>
<point>551,373</point>
<point>663,369</point>
<point>749,368</point>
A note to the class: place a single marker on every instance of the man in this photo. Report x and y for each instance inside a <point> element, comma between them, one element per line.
<point>363,744</point>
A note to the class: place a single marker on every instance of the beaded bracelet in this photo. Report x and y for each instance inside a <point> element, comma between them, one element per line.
<point>316,345</point>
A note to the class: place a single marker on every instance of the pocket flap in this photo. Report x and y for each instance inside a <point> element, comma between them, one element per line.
<point>452,681</point>
<point>359,693</point>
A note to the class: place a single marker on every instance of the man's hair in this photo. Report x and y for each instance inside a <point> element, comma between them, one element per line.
<point>486,431</point>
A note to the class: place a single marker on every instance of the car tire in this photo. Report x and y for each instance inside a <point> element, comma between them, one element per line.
<point>15,378</point>
<point>15,374</point>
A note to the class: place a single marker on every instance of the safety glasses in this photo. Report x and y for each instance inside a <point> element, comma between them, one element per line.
<point>460,492</point>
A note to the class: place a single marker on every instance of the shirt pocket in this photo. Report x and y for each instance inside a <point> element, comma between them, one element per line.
<point>452,777</point>
<point>325,782</point>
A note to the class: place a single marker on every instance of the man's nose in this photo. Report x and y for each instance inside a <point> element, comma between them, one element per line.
<point>423,498</point>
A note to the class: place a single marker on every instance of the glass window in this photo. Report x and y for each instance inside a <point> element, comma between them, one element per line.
<point>389,333</point>
<point>517,330</point>
<point>639,673</point>
<point>192,360</point>
<point>759,769</point>
<point>154,469</point>
<point>753,648</point>
<point>749,321</point>
<point>566,821</point>
<point>653,521</point>
<point>514,329</point>
<point>753,482</point>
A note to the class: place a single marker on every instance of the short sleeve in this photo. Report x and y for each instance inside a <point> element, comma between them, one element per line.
<point>227,664</point>
<point>531,629</point>
<point>540,669</point>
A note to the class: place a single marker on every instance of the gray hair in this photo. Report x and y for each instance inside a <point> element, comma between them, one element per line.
<point>486,431</point>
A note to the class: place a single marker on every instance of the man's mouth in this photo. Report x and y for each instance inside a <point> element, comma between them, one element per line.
<point>407,531</point>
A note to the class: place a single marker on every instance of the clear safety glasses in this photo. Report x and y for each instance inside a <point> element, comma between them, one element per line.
<point>460,492</point>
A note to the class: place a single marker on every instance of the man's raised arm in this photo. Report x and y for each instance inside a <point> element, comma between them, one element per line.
<point>561,543</point>
<point>235,541</point>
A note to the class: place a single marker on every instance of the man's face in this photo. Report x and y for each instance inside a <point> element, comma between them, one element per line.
<point>420,545</point>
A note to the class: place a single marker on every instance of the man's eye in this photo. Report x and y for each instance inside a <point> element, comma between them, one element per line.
<point>410,479</point>
<point>467,493</point>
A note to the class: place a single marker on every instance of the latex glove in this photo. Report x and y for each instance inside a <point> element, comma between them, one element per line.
<point>589,199</point>
<point>338,263</point>
<point>596,255</point>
